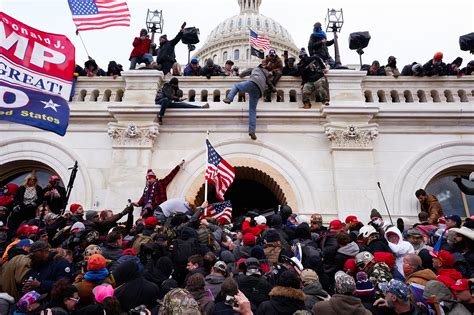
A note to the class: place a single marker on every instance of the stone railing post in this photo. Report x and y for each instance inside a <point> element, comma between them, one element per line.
<point>141,85</point>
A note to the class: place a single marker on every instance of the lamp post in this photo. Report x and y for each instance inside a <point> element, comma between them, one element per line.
<point>154,24</point>
<point>334,20</point>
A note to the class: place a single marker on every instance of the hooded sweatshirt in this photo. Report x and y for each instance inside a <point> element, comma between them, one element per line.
<point>350,249</point>
<point>399,250</point>
<point>314,293</point>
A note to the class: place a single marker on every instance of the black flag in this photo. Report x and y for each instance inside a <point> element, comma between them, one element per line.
<point>257,52</point>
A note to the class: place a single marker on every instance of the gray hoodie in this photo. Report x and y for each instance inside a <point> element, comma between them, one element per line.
<point>350,249</point>
<point>259,76</point>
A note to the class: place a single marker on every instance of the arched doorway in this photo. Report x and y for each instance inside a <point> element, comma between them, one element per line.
<point>252,189</point>
<point>452,199</point>
<point>15,172</point>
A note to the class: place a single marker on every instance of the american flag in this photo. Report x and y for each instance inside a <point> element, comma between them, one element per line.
<point>219,173</point>
<point>99,14</point>
<point>221,211</point>
<point>259,41</point>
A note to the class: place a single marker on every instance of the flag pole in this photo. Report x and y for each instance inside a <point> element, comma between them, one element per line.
<point>207,160</point>
<point>84,45</point>
<point>250,50</point>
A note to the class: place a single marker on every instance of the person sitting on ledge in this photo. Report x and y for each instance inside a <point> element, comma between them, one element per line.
<point>141,50</point>
<point>170,96</point>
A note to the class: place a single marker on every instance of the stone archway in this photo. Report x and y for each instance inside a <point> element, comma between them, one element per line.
<point>270,159</point>
<point>17,170</point>
<point>252,189</point>
<point>55,156</point>
<point>424,167</point>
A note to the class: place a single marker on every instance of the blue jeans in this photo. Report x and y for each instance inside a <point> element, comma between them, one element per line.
<point>254,94</point>
<point>167,103</point>
<point>146,58</point>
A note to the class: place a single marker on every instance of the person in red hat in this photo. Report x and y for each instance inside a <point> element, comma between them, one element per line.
<point>443,262</point>
<point>155,191</point>
<point>55,195</point>
<point>353,226</point>
<point>463,293</point>
<point>6,199</point>
<point>146,236</point>
<point>77,213</point>
<point>329,244</point>
<point>21,233</point>
<point>435,66</point>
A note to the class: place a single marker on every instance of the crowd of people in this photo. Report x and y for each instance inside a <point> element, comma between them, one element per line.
<point>174,260</point>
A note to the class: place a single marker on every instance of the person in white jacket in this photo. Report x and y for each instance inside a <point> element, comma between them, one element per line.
<point>399,247</point>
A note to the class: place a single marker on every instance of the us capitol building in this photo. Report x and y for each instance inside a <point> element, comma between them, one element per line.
<point>230,39</point>
<point>405,133</point>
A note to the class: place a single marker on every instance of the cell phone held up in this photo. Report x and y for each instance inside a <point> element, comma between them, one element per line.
<point>231,301</point>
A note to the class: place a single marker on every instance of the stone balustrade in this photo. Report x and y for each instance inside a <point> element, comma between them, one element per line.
<point>446,89</point>
<point>346,87</point>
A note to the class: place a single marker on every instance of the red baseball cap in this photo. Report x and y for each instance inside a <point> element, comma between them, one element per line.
<point>336,225</point>
<point>352,219</point>
<point>151,221</point>
<point>461,285</point>
<point>129,251</point>
<point>446,258</point>
<point>249,239</point>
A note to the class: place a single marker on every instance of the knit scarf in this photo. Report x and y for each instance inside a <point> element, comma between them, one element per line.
<point>318,32</point>
<point>148,194</point>
<point>97,275</point>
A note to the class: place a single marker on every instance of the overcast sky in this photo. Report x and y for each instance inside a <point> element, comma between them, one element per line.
<point>410,30</point>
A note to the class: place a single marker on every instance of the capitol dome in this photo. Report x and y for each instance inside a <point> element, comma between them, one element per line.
<point>230,39</point>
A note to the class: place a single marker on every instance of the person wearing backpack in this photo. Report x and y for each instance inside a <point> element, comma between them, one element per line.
<point>147,234</point>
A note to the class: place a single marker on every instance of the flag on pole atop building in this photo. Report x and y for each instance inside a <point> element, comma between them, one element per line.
<point>258,44</point>
<point>221,211</point>
<point>219,173</point>
<point>99,14</point>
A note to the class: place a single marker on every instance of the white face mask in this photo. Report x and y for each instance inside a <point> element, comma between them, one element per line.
<point>377,222</point>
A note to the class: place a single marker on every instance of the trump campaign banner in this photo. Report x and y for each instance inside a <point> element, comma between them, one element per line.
<point>36,73</point>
